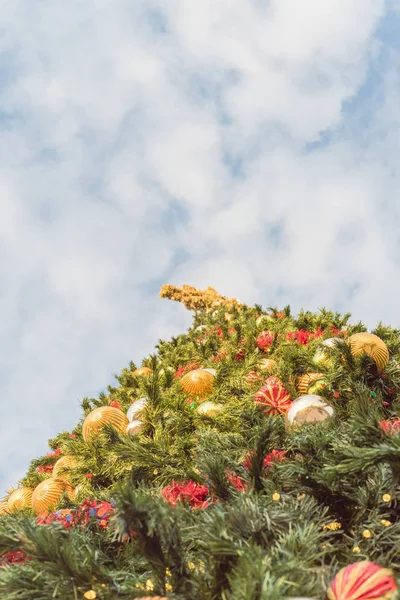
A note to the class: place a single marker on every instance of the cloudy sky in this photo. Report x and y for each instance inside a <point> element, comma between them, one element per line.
<point>248,145</point>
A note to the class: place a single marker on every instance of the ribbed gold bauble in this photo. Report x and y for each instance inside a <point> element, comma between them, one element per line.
<point>267,364</point>
<point>198,383</point>
<point>63,465</point>
<point>49,493</point>
<point>101,416</point>
<point>4,508</point>
<point>20,499</point>
<point>372,345</point>
<point>304,381</point>
<point>142,372</point>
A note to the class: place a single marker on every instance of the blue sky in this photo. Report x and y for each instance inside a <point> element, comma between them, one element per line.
<point>251,146</point>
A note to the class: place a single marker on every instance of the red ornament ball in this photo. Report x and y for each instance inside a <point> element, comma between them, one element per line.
<point>274,396</point>
<point>362,581</point>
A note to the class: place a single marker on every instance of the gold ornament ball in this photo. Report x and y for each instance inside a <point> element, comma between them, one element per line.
<point>198,383</point>
<point>4,508</point>
<point>104,415</point>
<point>63,465</point>
<point>134,427</point>
<point>304,381</point>
<point>48,494</point>
<point>142,372</point>
<point>20,498</point>
<point>209,409</point>
<point>322,358</point>
<point>267,364</point>
<point>368,343</point>
<point>308,409</point>
<point>263,319</point>
<point>316,388</point>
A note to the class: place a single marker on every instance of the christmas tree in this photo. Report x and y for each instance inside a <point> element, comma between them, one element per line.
<point>255,457</point>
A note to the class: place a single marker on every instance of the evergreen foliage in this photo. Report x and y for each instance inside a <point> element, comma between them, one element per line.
<point>269,512</point>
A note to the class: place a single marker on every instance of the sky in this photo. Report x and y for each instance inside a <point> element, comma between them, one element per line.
<point>251,146</point>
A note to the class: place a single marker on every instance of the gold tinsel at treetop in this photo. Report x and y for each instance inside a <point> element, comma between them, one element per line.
<point>194,299</point>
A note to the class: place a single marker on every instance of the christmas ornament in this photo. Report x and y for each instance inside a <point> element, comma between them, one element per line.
<point>330,342</point>
<point>63,465</point>
<point>368,343</point>
<point>304,381</point>
<point>209,409</point>
<point>362,581</point>
<point>253,377</point>
<point>322,358</point>
<point>274,396</point>
<point>134,427</point>
<point>198,383</point>
<point>4,508</point>
<point>20,498</point>
<point>264,319</point>
<point>267,364</point>
<point>317,388</point>
<point>212,371</point>
<point>308,409</point>
<point>136,408</point>
<point>142,372</point>
<point>104,415</point>
<point>48,494</point>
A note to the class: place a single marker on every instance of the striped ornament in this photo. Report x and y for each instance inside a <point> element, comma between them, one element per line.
<point>20,498</point>
<point>274,396</point>
<point>362,581</point>
<point>63,465</point>
<point>304,381</point>
<point>49,493</point>
<point>101,416</point>
<point>372,345</point>
<point>267,364</point>
<point>198,383</point>
<point>142,372</point>
<point>4,508</point>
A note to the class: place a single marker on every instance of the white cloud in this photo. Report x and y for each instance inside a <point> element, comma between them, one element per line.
<point>151,141</point>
